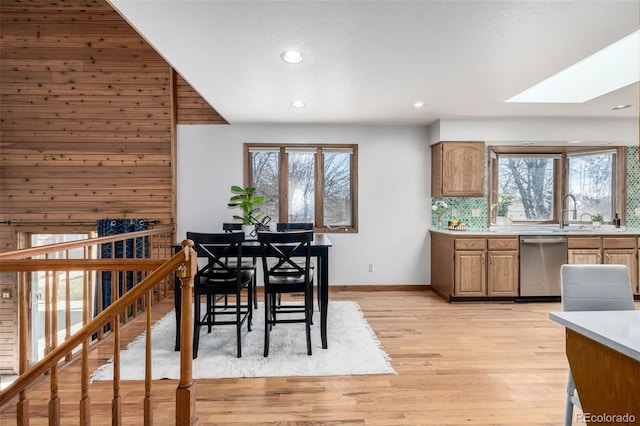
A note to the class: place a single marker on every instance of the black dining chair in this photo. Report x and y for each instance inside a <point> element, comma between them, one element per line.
<point>220,277</point>
<point>297,226</point>
<point>290,273</point>
<point>247,263</point>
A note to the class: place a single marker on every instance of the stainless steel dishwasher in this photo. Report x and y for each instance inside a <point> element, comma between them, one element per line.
<point>540,259</point>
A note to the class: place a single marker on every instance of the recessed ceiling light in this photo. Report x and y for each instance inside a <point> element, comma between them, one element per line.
<point>291,56</point>
<point>575,141</point>
<point>583,81</point>
<point>528,143</point>
<point>297,104</point>
<point>419,105</point>
<point>619,107</point>
<point>605,143</point>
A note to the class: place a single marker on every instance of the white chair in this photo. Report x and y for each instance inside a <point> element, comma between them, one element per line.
<point>592,288</point>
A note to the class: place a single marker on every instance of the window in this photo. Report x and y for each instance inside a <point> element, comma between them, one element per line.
<point>70,293</point>
<point>534,183</point>
<point>591,180</point>
<point>306,183</point>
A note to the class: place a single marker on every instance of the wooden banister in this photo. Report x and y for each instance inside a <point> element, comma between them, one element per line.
<point>39,251</point>
<point>185,261</point>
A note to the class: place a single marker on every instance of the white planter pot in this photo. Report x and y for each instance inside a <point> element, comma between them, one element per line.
<point>248,229</point>
<point>501,220</point>
<point>596,224</point>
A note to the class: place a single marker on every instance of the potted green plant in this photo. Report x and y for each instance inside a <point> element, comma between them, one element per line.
<point>246,200</point>
<point>596,220</point>
<point>502,206</point>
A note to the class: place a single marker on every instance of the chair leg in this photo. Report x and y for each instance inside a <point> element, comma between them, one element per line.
<point>210,311</point>
<point>238,323</point>
<point>308,314</point>
<point>568,409</point>
<point>196,326</point>
<point>267,325</point>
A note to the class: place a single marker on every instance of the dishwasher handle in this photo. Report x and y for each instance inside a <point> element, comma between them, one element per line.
<point>549,240</point>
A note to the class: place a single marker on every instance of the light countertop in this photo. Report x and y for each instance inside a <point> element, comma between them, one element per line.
<point>619,330</point>
<point>541,230</point>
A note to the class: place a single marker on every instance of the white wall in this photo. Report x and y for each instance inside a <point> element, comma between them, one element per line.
<point>554,131</point>
<point>393,189</point>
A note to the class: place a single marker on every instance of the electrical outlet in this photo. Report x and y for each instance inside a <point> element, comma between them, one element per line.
<point>6,293</point>
<point>637,211</point>
<point>454,212</point>
<point>371,268</point>
<point>475,213</point>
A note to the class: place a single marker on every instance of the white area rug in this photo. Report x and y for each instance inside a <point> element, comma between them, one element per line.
<point>353,349</point>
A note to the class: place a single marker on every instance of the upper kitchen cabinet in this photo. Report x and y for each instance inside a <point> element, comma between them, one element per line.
<point>457,169</point>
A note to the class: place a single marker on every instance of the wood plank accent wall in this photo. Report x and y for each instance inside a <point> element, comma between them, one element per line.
<point>86,126</point>
<point>192,108</point>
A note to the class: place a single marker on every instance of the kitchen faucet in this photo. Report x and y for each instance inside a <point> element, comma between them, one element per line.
<point>563,209</point>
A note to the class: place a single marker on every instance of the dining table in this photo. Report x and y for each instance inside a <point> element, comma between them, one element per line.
<point>251,248</point>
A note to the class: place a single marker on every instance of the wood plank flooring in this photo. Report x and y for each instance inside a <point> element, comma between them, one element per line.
<point>457,364</point>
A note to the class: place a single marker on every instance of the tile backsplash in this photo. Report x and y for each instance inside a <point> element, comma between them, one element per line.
<point>464,207</point>
<point>633,188</point>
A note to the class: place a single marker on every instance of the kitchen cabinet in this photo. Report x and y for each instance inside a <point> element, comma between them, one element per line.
<point>608,250</point>
<point>503,267</point>
<point>474,267</point>
<point>457,169</point>
<point>470,279</point>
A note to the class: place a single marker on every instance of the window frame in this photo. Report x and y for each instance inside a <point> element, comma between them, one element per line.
<point>561,176</point>
<point>283,179</point>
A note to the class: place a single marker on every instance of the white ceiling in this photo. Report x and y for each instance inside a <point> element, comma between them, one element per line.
<point>369,61</point>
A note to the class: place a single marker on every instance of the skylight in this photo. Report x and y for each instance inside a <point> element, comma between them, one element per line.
<point>609,69</point>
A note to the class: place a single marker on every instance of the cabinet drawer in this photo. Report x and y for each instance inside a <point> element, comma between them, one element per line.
<point>584,242</point>
<point>471,244</point>
<point>618,243</point>
<point>503,243</point>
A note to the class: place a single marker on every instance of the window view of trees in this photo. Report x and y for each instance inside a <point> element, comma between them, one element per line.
<point>265,177</point>
<point>307,175</point>
<point>301,186</point>
<point>591,181</point>
<point>337,188</point>
<point>529,182</point>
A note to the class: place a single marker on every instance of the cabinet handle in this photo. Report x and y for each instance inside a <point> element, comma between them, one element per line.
<point>606,258</point>
<point>490,259</point>
<point>599,258</point>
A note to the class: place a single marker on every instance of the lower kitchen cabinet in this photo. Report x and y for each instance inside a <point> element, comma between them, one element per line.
<point>466,267</point>
<point>470,274</point>
<point>608,250</point>
<point>502,273</point>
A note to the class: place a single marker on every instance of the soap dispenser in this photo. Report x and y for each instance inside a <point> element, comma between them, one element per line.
<point>616,221</point>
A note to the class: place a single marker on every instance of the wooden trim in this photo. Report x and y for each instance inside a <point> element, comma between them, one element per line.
<point>384,287</point>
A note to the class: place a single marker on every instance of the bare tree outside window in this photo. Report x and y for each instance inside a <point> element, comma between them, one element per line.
<point>337,188</point>
<point>266,179</point>
<point>529,180</point>
<point>301,186</point>
<point>591,182</point>
<point>306,183</point>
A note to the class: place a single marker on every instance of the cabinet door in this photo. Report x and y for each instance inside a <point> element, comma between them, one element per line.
<point>463,169</point>
<point>470,273</point>
<point>624,257</point>
<point>585,256</point>
<point>502,273</point>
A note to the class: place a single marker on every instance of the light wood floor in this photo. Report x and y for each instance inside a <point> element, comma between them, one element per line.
<point>457,364</point>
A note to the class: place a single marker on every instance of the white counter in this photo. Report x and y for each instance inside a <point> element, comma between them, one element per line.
<point>541,230</point>
<point>618,330</point>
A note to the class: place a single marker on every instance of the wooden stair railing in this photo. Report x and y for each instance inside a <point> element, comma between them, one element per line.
<point>185,262</point>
